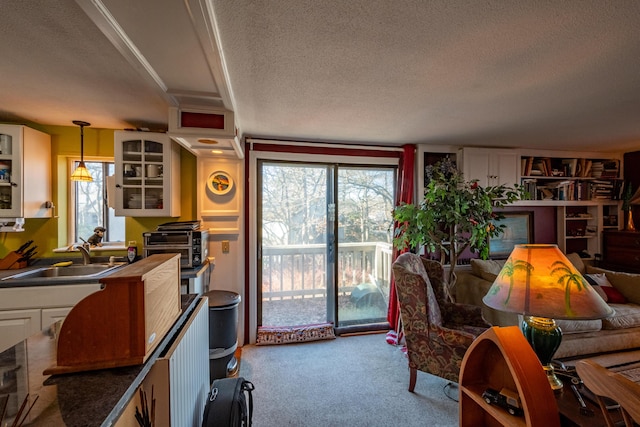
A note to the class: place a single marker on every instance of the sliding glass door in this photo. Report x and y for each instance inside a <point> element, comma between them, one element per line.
<point>292,244</point>
<point>324,243</point>
<point>365,200</point>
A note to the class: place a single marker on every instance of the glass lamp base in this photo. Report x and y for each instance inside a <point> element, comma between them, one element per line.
<point>545,337</point>
<point>554,381</point>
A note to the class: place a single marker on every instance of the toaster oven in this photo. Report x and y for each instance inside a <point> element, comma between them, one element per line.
<point>190,244</point>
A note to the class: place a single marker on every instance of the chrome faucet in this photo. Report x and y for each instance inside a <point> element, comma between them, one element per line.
<point>86,255</point>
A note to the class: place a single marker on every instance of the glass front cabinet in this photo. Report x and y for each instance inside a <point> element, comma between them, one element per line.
<point>24,193</point>
<point>147,178</point>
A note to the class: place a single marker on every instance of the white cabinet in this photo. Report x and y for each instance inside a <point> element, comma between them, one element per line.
<point>490,166</point>
<point>147,175</point>
<point>16,325</point>
<point>30,309</point>
<point>25,172</point>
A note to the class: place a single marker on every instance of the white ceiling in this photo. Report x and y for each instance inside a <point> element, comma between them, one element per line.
<point>543,74</point>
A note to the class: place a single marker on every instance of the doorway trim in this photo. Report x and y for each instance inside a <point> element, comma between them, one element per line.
<point>254,156</point>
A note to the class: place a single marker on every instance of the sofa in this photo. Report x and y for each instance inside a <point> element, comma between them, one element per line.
<point>580,337</point>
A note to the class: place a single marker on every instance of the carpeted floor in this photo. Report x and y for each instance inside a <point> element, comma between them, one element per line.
<point>350,381</point>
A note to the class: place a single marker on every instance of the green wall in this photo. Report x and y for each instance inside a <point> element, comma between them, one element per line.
<point>51,233</point>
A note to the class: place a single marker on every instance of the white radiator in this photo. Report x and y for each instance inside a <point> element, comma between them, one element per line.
<point>182,374</point>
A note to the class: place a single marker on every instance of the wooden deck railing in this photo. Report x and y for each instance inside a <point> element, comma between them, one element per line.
<point>300,271</point>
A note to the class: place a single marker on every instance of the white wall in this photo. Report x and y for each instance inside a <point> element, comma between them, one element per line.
<point>222,215</point>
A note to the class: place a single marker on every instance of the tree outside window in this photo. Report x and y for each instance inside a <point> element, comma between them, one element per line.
<point>90,208</point>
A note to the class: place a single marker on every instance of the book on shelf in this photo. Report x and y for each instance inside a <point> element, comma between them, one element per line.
<point>597,167</point>
<point>527,164</point>
<point>530,186</point>
<point>546,193</point>
<point>610,169</point>
<point>570,166</point>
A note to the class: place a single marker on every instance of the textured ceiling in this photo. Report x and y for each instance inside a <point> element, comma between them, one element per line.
<point>551,75</point>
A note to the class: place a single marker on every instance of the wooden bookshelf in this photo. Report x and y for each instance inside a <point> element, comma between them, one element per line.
<point>571,178</point>
<point>502,358</point>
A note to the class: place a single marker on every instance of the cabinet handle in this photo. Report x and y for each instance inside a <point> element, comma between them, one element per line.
<point>118,186</point>
<point>13,184</point>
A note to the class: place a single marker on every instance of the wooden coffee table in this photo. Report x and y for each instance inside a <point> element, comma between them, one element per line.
<point>568,405</point>
<point>569,409</point>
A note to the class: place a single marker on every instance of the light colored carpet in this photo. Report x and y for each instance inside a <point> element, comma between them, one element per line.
<point>350,381</point>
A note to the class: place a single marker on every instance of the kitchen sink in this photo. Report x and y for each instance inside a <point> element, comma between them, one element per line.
<point>72,271</point>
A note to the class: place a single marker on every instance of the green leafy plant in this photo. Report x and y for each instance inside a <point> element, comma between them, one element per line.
<point>453,215</point>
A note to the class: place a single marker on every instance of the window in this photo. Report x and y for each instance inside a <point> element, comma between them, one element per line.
<point>89,205</point>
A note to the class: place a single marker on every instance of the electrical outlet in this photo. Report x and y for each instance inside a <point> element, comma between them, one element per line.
<point>225,246</point>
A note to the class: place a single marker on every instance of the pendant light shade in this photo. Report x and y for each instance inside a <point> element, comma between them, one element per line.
<point>81,173</point>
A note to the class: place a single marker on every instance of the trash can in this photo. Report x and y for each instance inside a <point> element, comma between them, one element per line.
<point>223,333</point>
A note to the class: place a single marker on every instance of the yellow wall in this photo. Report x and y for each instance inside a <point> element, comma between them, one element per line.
<point>51,233</point>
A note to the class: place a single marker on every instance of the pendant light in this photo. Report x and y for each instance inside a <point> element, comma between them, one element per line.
<point>81,173</point>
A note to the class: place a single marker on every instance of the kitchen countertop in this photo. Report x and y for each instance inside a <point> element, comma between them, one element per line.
<point>185,273</point>
<point>95,398</point>
<point>190,273</point>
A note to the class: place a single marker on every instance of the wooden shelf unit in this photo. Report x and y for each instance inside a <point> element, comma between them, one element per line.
<point>502,358</point>
<point>571,178</point>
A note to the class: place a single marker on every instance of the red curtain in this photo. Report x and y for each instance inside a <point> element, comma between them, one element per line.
<point>404,193</point>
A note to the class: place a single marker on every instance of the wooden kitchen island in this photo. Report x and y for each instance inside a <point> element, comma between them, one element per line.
<point>100,397</point>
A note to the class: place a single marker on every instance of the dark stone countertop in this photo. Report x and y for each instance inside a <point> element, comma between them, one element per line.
<point>190,273</point>
<point>87,399</point>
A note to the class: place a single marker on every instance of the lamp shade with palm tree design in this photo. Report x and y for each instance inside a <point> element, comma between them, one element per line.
<point>539,282</point>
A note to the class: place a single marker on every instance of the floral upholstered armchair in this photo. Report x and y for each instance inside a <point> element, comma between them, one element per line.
<point>437,331</point>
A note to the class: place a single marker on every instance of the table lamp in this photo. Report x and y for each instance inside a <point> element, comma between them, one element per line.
<point>539,282</point>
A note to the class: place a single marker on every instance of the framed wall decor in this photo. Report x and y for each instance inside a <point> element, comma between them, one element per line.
<point>219,183</point>
<point>518,230</point>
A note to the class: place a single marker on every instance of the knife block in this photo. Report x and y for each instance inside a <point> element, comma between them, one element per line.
<point>121,324</point>
<point>10,262</point>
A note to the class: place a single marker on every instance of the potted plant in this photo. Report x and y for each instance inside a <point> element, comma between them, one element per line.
<point>453,215</point>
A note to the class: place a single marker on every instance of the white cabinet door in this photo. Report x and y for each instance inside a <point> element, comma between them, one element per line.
<point>147,174</point>
<point>27,310</point>
<point>504,166</point>
<point>17,325</point>
<point>24,193</point>
<point>490,166</point>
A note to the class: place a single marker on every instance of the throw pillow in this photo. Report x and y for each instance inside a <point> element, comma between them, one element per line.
<point>599,279</point>
<point>294,334</point>
<point>613,295</point>
<point>478,266</point>
<point>576,261</point>
<point>604,288</point>
<point>601,292</point>
<point>627,283</point>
